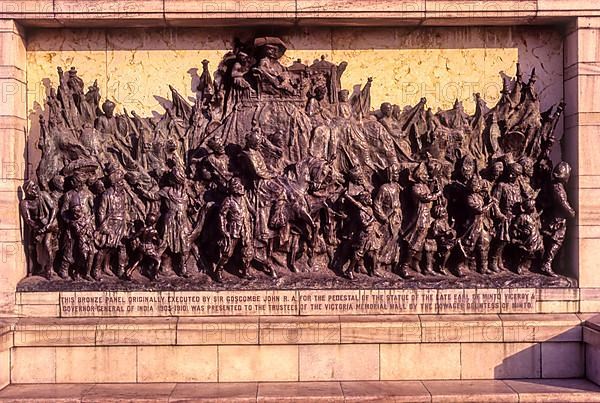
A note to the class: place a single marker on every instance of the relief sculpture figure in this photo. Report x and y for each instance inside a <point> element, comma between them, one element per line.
<point>278,175</point>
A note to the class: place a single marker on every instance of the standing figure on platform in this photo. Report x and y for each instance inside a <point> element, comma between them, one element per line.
<point>416,231</point>
<point>82,232</point>
<point>39,212</point>
<point>175,226</point>
<point>560,211</point>
<point>235,229</point>
<point>388,210</point>
<point>507,195</point>
<point>475,243</point>
<point>365,243</point>
<point>113,225</point>
<point>526,235</point>
<point>440,241</point>
<point>78,195</point>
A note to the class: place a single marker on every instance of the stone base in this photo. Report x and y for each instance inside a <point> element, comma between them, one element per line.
<point>291,348</point>
<point>6,343</point>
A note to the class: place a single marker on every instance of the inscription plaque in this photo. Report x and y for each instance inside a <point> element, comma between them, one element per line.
<point>298,302</point>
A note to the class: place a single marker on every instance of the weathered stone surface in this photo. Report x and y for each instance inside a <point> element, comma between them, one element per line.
<point>177,364</point>
<point>563,360</point>
<point>33,365</point>
<point>539,328</point>
<point>500,360</point>
<point>471,391</point>
<point>258,363</point>
<point>243,392</point>
<point>294,391</point>
<point>330,362</point>
<point>412,56</point>
<point>461,328</point>
<point>300,330</point>
<point>406,361</point>
<point>574,390</point>
<point>220,330</point>
<point>95,364</point>
<point>115,392</point>
<point>396,391</point>
<point>380,329</point>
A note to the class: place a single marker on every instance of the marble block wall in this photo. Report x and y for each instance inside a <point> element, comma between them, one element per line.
<point>582,123</point>
<point>13,124</point>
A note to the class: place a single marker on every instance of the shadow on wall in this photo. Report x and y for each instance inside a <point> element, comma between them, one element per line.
<point>562,356</point>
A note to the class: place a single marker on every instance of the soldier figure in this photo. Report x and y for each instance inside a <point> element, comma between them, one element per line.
<point>79,195</point>
<point>388,210</point>
<point>508,198</point>
<point>557,217</point>
<point>146,242</point>
<point>441,238</point>
<point>365,245</point>
<point>107,123</point>
<point>113,224</point>
<point>215,166</point>
<point>175,227</point>
<point>39,212</point>
<point>236,230</point>
<point>475,243</point>
<point>82,232</point>
<point>526,235</point>
<point>417,229</point>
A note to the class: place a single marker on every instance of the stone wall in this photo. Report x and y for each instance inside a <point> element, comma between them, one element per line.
<point>271,349</point>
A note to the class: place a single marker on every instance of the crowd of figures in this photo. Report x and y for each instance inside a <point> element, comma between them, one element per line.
<point>279,169</point>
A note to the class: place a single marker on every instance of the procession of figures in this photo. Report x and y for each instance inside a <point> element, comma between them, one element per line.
<point>280,170</point>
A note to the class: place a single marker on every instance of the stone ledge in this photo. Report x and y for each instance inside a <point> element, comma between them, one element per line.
<point>565,390</point>
<point>217,330</point>
<point>461,328</point>
<point>282,12</point>
<point>592,320</point>
<point>299,330</point>
<point>546,328</point>
<point>270,330</point>
<point>381,329</point>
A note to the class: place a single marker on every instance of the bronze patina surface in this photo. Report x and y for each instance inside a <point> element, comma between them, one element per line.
<point>277,177</point>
